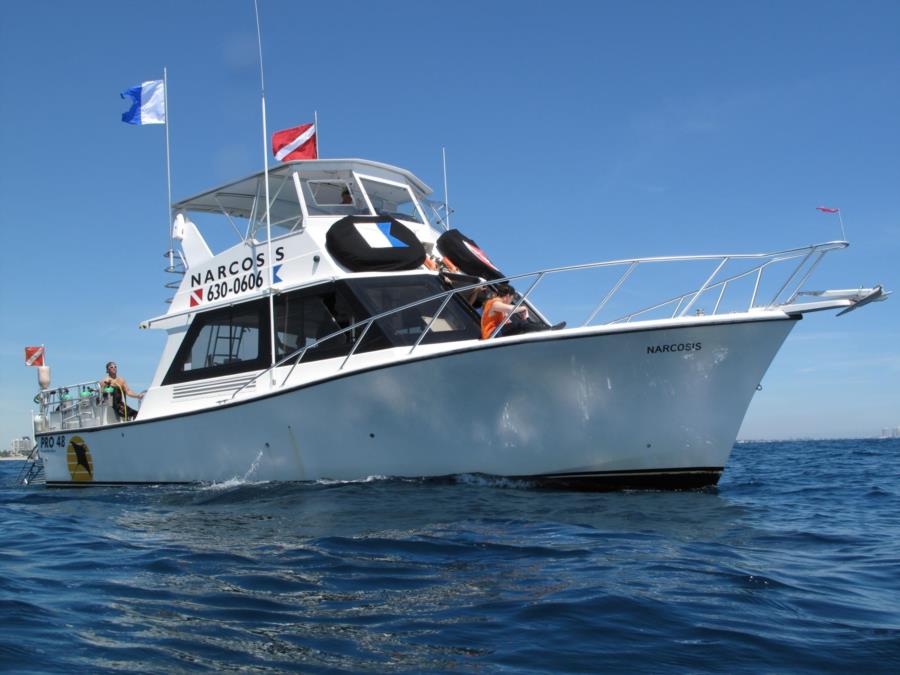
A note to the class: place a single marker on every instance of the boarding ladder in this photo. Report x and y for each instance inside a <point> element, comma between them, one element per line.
<point>32,472</point>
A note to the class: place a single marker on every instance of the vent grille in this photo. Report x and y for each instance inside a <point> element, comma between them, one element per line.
<point>201,389</point>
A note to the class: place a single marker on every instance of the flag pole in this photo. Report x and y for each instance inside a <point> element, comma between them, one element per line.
<point>168,170</point>
<point>316,125</point>
<point>446,197</point>
<point>262,81</point>
<point>841,220</point>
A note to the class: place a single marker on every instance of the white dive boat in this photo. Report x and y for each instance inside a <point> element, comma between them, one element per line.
<point>333,349</point>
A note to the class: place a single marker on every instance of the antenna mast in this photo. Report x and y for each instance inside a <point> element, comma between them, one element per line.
<point>265,138</point>
<point>446,197</point>
<point>168,169</point>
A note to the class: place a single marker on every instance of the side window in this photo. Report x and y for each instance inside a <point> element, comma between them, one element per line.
<point>222,342</point>
<point>455,322</point>
<point>308,315</point>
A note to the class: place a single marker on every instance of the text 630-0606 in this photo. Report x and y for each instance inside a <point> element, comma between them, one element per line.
<point>241,284</point>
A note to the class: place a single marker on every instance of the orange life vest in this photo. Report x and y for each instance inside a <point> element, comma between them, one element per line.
<point>490,319</point>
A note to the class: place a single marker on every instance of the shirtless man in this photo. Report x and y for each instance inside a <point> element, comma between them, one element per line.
<point>120,391</point>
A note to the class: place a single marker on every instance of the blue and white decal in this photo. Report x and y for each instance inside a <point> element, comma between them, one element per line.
<point>378,235</point>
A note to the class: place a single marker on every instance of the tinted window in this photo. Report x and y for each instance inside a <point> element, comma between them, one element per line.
<point>222,342</point>
<point>303,317</point>
<point>455,322</point>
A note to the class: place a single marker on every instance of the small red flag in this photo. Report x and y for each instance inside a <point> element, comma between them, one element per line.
<point>825,209</point>
<point>34,356</point>
<point>295,143</point>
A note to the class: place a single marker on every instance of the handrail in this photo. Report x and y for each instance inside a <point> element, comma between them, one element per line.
<point>703,287</point>
<point>47,395</point>
<point>805,277</point>
<point>612,291</point>
<point>73,402</point>
<point>790,278</point>
<point>828,245</point>
<point>517,305</point>
<point>767,259</point>
<point>681,298</point>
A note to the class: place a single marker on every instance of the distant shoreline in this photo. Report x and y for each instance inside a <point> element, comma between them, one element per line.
<point>20,458</point>
<point>810,439</point>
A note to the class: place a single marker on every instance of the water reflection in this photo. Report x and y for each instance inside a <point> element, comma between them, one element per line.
<point>396,575</point>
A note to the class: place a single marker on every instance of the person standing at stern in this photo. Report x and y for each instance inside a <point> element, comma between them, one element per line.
<point>120,392</point>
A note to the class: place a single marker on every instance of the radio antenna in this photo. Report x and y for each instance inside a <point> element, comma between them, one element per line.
<point>265,139</point>
<point>446,197</point>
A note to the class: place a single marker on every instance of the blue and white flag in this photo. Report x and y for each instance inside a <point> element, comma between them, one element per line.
<point>149,105</point>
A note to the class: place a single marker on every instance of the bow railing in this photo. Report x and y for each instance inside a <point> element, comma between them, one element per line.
<point>808,258</point>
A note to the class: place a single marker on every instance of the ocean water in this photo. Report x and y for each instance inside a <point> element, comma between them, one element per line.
<point>791,565</point>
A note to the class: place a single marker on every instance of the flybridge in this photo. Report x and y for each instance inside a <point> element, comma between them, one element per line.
<point>305,199</point>
<point>306,189</point>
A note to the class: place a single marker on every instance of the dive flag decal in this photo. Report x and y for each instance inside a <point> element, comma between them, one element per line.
<point>386,231</point>
<point>196,297</point>
<point>378,235</point>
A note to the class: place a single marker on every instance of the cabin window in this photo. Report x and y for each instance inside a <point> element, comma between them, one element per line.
<point>392,200</point>
<point>305,316</point>
<point>455,322</point>
<point>223,342</point>
<point>333,198</point>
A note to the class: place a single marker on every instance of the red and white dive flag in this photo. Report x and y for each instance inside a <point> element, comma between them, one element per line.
<point>826,209</point>
<point>295,143</point>
<point>34,356</point>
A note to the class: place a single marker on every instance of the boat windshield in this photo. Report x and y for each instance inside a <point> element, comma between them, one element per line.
<point>389,199</point>
<point>333,197</point>
<point>344,197</point>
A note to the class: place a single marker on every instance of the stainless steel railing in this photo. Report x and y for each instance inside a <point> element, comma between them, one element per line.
<point>73,407</point>
<point>683,303</point>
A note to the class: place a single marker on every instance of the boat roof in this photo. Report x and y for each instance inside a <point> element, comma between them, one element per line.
<point>236,198</point>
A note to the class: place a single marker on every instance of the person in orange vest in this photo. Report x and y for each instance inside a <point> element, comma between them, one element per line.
<point>498,309</point>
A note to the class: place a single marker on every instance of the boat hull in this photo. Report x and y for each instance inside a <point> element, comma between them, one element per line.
<point>641,408</point>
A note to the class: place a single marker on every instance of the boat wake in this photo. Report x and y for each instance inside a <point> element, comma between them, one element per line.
<point>465,479</point>
<point>246,479</point>
<point>472,479</point>
<point>485,480</point>
<point>367,479</point>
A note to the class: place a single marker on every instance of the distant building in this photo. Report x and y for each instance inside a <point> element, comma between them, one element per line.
<point>890,433</point>
<point>20,446</point>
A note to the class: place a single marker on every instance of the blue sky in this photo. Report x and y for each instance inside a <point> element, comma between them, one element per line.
<point>575,131</point>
